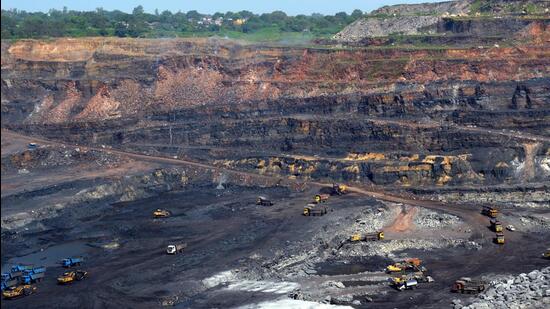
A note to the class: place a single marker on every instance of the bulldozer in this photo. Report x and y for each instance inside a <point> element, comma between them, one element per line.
<point>490,212</point>
<point>496,226</point>
<point>467,285</point>
<point>499,238</point>
<point>161,213</point>
<point>315,210</point>
<point>71,276</point>
<point>412,264</point>
<point>367,237</point>
<point>263,201</point>
<point>321,198</point>
<point>20,290</point>
<point>339,189</point>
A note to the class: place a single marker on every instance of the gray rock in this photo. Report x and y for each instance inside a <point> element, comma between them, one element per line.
<point>356,302</point>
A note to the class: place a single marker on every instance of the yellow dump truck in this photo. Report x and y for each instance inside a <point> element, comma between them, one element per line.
<point>499,238</point>
<point>490,212</point>
<point>161,213</point>
<point>20,290</point>
<point>367,237</point>
<point>321,198</point>
<point>71,276</point>
<point>496,226</point>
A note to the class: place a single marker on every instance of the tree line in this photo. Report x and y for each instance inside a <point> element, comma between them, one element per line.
<point>17,24</point>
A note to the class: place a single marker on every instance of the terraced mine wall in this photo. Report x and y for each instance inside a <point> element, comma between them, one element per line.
<point>274,104</point>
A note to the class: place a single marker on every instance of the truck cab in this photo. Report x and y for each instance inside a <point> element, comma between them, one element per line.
<point>499,238</point>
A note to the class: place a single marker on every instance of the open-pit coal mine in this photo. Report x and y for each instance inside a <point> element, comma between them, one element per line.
<point>361,171</point>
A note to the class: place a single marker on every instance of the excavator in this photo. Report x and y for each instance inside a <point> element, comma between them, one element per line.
<point>161,213</point>
<point>339,189</point>
<point>406,265</point>
<point>20,290</point>
<point>71,276</point>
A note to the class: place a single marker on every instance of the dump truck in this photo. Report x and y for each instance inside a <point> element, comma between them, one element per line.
<point>402,283</point>
<point>13,277</point>
<point>406,265</point>
<point>367,237</point>
<point>71,276</point>
<point>321,198</point>
<point>175,249</point>
<point>17,270</point>
<point>499,238</point>
<point>161,213</point>
<point>315,210</point>
<point>469,286</point>
<point>338,189</point>
<point>72,261</point>
<point>263,201</point>
<point>20,290</point>
<point>33,275</point>
<point>546,254</point>
<point>490,212</point>
<point>496,226</point>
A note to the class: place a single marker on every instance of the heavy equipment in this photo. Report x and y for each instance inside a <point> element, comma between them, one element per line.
<point>71,276</point>
<point>403,283</point>
<point>315,210</point>
<point>367,237</point>
<point>499,238</point>
<point>72,261</point>
<point>13,277</point>
<point>161,213</point>
<point>412,264</point>
<point>490,211</point>
<point>496,226</point>
<point>321,198</point>
<point>469,286</point>
<point>20,290</point>
<point>546,254</point>
<point>33,275</point>
<point>175,249</point>
<point>338,189</point>
<point>263,201</point>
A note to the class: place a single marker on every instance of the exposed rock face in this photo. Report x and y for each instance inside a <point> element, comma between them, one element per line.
<point>400,116</point>
<point>452,18</point>
<point>379,27</point>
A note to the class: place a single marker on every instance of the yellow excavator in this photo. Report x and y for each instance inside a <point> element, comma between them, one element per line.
<point>71,276</point>
<point>20,290</point>
<point>338,189</point>
<point>408,264</point>
<point>161,213</point>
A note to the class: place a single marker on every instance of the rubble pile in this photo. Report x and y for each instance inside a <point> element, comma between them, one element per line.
<point>530,290</point>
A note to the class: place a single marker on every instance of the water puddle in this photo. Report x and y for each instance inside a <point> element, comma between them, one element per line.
<point>51,256</point>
